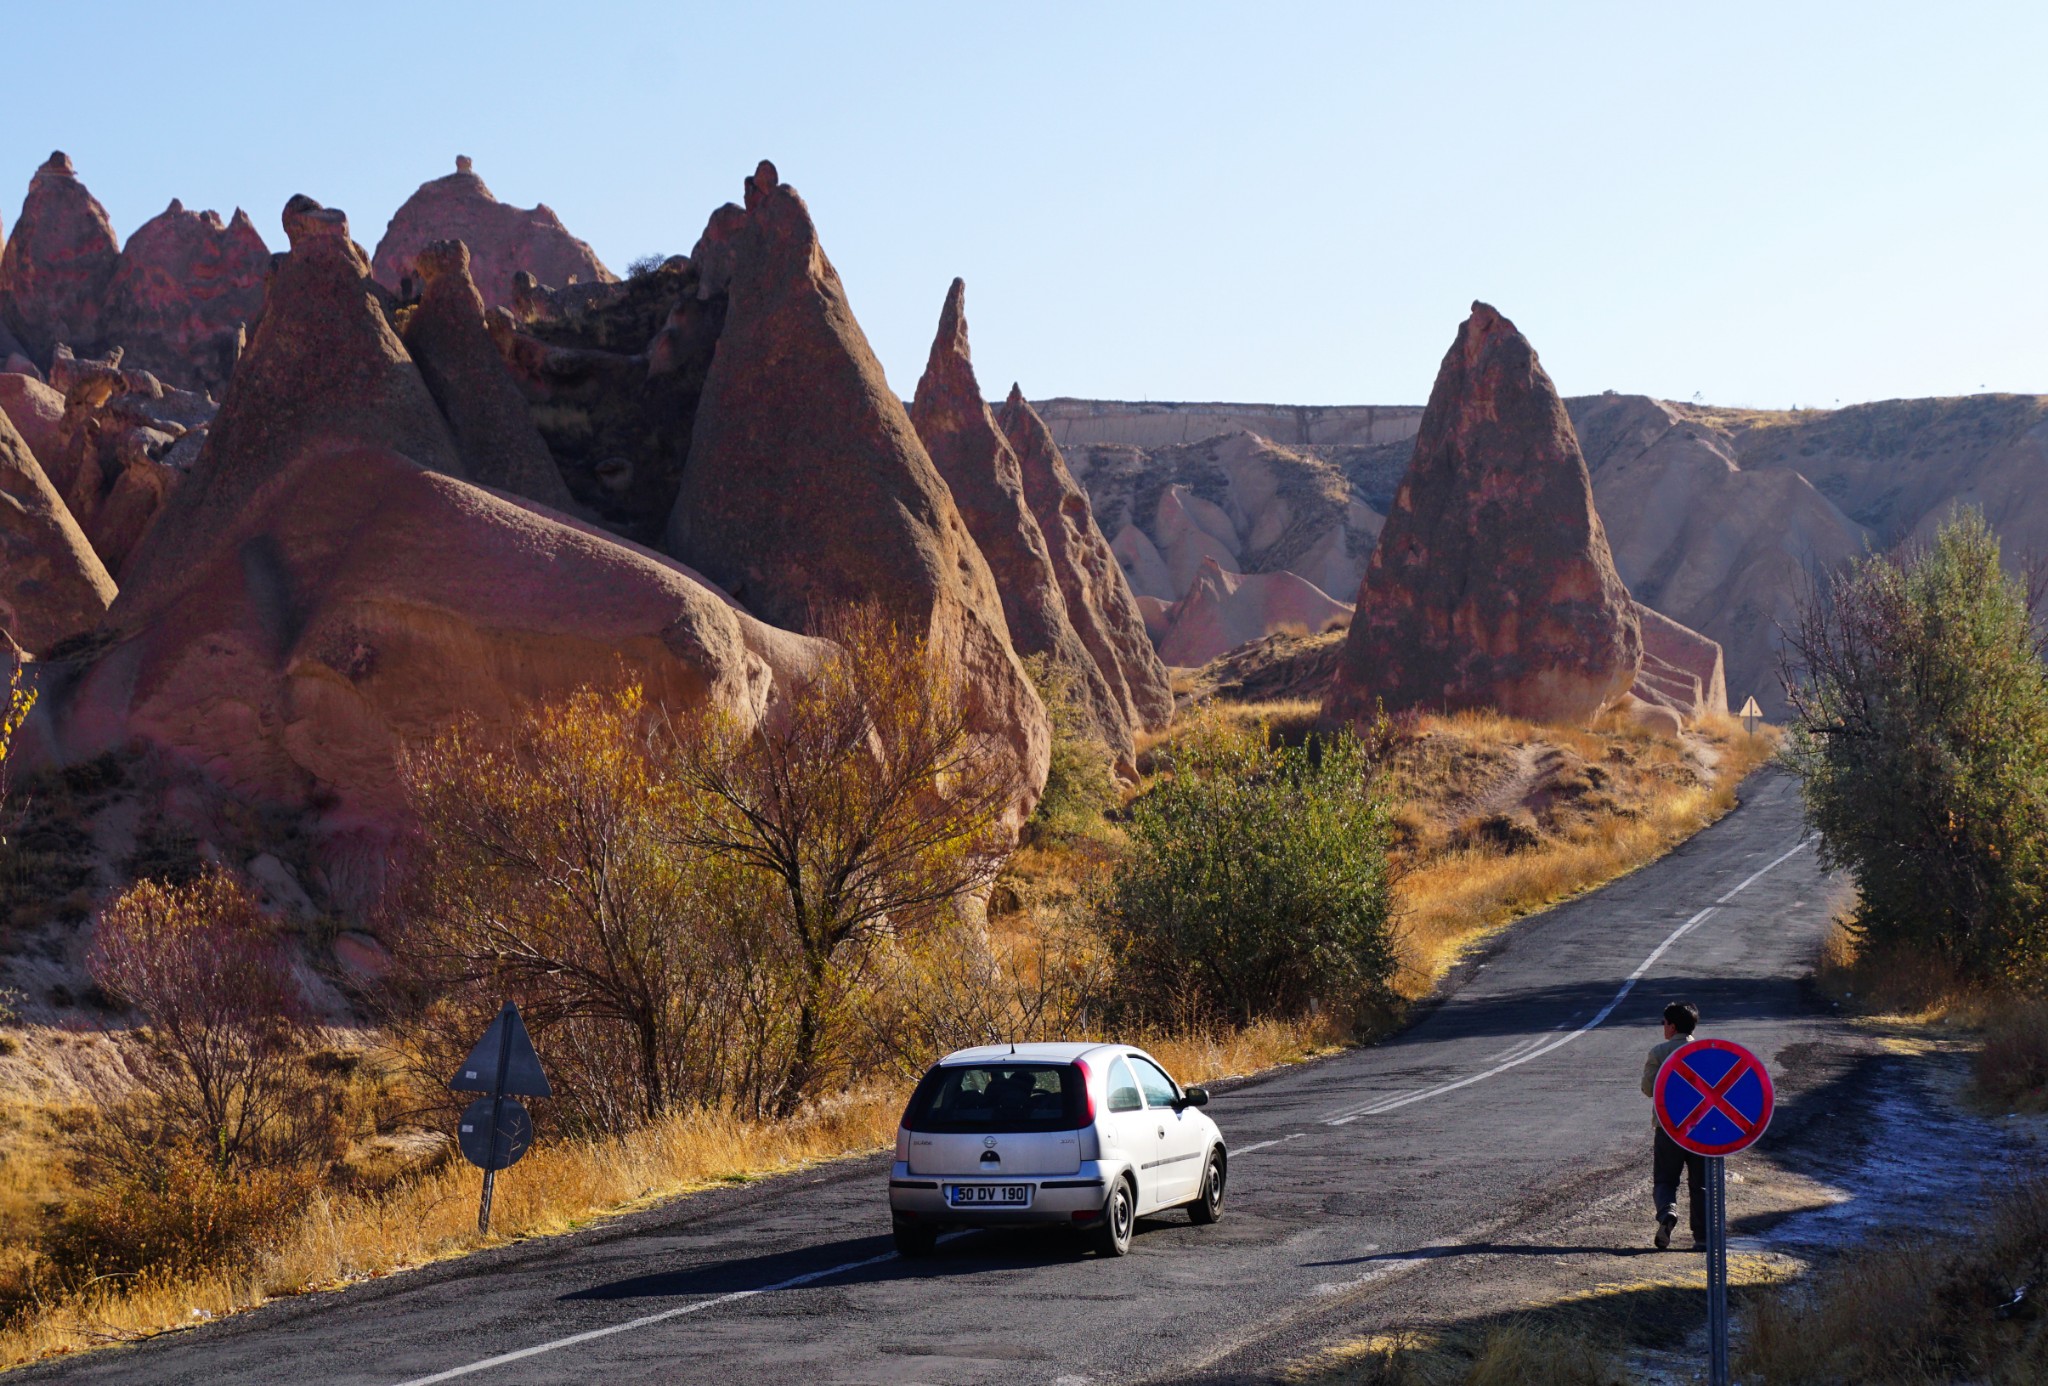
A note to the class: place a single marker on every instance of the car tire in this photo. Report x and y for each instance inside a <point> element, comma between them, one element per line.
<point>913,1242</point>
<point>1207,1209</point>
<point>1119,1219</point>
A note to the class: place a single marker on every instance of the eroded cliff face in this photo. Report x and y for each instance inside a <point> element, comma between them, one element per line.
<point>806,487</point>
<point>57,263</point>
<point>330,584</point>
<point>504,241</point>
<point>986,480</point>
<point>1491,585</point>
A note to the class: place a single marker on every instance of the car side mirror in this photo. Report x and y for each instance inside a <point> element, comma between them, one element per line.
<point>1193,1097</point>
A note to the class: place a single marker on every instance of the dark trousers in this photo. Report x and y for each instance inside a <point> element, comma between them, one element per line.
<point>1668,1160</point>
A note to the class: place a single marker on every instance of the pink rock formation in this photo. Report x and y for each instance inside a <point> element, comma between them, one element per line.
<point>322,591</point>
<point>1491,585</point>
<point>325,370</point>
<point>362,602</point>
<point>1142,565</point>
<point>1681,670</point>
<point>34,408</point>
<point>502,239</point>
<point>1224,610</point>
<point>54,270</point>
<point>1724,542</point>
<point>52,586</point>
<point>124,444</point>
<point>1192,533</point>
<point>185,293</point>
<point>1099,599</point>
<point>807,488</point>
<point>980,469</point>
<point>468,378</point>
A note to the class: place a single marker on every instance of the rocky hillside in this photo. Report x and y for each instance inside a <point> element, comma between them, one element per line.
<point>1715,517</point>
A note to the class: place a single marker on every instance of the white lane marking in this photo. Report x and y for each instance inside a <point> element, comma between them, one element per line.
<point>1527,1042</point>
<point>1261,1145</point>
<point>538,1348</point>
<point>1390,1103</point>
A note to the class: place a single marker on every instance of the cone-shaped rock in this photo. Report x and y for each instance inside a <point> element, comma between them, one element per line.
<point>52,585</point>
<point>325,371</point>
<point>55,268</point>
<point>187,289</point>
<point>469,380</point>
<point>980,469</point>
<point>1491,585</point>
<point>502,239</point>
<point>806,487</point>
<point>1099,600</point>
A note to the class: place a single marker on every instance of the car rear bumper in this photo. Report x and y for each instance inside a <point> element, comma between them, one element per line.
<point>1055,1198</point>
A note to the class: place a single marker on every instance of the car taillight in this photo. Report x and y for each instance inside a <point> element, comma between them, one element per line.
<point>1087,1093</point>
<point>902,1143</point>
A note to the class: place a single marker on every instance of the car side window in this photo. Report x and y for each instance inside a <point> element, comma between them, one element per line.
<point>1159,1089</point>
<point>1123,1089</point>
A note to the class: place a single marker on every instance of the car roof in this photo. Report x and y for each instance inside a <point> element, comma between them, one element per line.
<point>1030,1053</point>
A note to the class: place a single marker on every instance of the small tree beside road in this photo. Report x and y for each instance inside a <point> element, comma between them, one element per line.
<point>866,804</point>
<point>1920,736</point>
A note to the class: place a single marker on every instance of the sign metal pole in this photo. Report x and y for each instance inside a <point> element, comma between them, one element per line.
<point>1717,1271</point>
<point>483,1211</point>
<point>1714,1098</point>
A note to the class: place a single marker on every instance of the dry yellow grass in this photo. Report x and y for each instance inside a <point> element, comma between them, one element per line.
<point>1648,796</point>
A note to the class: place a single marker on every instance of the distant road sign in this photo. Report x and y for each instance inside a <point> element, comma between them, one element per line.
<point>1714,1097</point>
<point>514,1133</point>
<point>1751,714</point>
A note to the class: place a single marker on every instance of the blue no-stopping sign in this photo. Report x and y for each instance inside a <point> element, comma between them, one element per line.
<point>1714,1097</point>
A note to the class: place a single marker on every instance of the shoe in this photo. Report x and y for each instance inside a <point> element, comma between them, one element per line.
<point>1699,1243</point>
<point>1664,1226</point>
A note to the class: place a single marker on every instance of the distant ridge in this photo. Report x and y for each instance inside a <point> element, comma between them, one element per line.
<point>1163,423</point>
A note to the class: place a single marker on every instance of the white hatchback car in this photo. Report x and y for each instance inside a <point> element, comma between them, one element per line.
<point>1089,1136</point>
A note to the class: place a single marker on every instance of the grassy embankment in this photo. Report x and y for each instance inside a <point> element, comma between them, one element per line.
<point>1494,819</point>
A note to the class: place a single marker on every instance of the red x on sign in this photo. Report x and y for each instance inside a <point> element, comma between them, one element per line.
<point>1714,1097</point>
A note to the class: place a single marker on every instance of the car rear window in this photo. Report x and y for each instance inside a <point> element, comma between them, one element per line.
<point>997,1097</point>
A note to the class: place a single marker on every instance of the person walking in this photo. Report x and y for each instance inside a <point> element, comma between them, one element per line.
<point>1668,1158</point>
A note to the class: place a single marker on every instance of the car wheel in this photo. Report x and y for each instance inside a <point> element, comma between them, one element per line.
<point>916,1241</point>
<point>1208,1208</point>
<point>1119,1217</point>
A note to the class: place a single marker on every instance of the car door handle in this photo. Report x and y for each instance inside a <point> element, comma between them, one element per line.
<point>1162,1133</point>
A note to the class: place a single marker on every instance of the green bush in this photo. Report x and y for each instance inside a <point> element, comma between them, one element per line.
<point>1257,882</point>
<point>1920,735</point>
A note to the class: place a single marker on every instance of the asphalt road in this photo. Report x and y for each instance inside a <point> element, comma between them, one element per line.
<point>1516,1096</point>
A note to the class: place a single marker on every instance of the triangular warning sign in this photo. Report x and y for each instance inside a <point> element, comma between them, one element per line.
<point>1750,709</point>
<point>505,1045</point>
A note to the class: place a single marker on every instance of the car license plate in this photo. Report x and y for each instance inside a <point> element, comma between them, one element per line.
<point>989,1195</point>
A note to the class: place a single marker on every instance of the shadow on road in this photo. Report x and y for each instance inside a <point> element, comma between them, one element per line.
<point>1441,1253</point>
<point>975,1253</point>
<point>1532,1011</point>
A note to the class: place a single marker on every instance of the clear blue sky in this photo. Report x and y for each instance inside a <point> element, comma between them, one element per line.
<point>1762,204</point>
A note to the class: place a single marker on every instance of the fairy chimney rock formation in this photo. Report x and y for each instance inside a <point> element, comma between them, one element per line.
<point>186,292</point>
<point>1104,612</point>
<point>1491,585</point>
<point>468,378</point>
<point>502,239</point>
<point>807,489</point>
<point>324,371</point>
<point>981,470</point>
<point>52,585</point>
<point>55,268</point>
